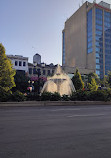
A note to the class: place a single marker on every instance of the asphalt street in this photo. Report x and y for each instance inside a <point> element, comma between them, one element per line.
<point>55,132</point>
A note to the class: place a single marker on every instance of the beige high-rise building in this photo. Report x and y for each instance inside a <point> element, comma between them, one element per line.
<point>87,40</point>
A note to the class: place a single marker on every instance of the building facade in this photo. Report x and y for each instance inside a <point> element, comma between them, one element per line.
<point>43,70</point>
<point>87,40</point>
<point>33,70</point>
<point>19,62</point>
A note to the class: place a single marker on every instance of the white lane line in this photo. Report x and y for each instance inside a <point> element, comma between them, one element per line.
<point>65,109</point>
<point>94,115</point>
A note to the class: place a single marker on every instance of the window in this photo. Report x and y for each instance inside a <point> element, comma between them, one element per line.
<point>30,70</point>
<point>16,63</point>
<point>34,71</point>
<point>89,32</point>
<point>97,72</point>
<point>48,72</point>
<point>44,72</point>
<point>52,71</point>
<point>63,47</point>
<point>90,50</point>
<point>98,27</point>
<point>24,63</point>
<point>39,72</point>
<point>20,63</point>
<point>97,66</point>
<point>97,61</point>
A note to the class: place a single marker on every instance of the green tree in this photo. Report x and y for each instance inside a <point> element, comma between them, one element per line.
<point>93,75</point>
<point>21,81</point>
<point>77,80</point>
<point>6,71</point>
<point>104,82</point>
<point>93,86</point>
<point>108,79</point>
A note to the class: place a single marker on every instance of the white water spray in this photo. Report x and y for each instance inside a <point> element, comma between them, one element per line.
<point>60,83</point>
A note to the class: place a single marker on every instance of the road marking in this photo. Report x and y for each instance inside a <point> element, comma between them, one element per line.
<point>65,109</point>
<point>94,115</point>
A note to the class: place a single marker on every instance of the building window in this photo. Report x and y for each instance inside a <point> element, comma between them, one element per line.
<point>52,71</point>
<point>24,63</point>
<point>63,48</point>
<point>16,63</point>
<point>107,44</point>
<point>48,72</point>
<point>97,66</point>
<point>89,32</point>
<point>97,72</point>
<point>20,63</point>
<point>39,72</point>
<point>34,71</point>
<point>44,72</point>
<point>30,70</point>
<point>99,41</point>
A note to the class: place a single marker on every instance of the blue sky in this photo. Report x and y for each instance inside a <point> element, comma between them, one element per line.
<point>35,26</point>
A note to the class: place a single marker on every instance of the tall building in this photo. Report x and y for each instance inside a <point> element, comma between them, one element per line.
<point>87,40</point>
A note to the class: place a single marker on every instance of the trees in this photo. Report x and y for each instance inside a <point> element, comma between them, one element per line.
<point>77,81</point>
<point>93,86</point>
<point>93,75</point>
<point>6,71</point>
<point>108,79</point>
<point>21,81</point>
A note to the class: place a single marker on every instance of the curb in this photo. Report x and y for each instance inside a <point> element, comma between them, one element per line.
<point>51,103</point>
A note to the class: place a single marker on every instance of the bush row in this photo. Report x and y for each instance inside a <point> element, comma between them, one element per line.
<point>100,95</point>
<point>9,96</point>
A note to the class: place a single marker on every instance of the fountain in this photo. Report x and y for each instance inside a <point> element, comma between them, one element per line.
<point>60,83</point>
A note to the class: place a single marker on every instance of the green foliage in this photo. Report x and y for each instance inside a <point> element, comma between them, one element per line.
<point>104,82</point>
<point>55,97</point>
<point>6,71</point>
<point>65,98</point>
<point>100,95</point>
<point>4,95</point>
<point>9,96</point>
<point>33,96</point>
<point>47,96</point>
<point>107,79</point>
<point>80,96</point>
<point>18,96</point>
<point>93,75</point>
<point>77,81</point>
<point>93,86</point>
<point>21,81</point>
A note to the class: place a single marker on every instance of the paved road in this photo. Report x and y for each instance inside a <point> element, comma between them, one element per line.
<point>55,132</point>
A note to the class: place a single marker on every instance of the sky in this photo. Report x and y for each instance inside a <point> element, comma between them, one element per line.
<point>28,27</point>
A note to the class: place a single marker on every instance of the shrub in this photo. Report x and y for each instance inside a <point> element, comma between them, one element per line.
<point>65,97</point>
<point>77,81</point>
<point>80,96</point>
<point>33,96</point>
<point>4,95</point>
<point>55,96</point>
<point>18,96</point>
<point>99,95</point>
<point>46,96</point>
